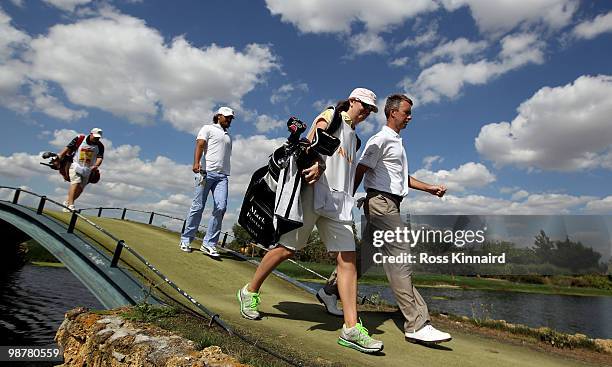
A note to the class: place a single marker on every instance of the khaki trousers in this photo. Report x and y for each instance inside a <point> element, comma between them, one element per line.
<point>383,214</point>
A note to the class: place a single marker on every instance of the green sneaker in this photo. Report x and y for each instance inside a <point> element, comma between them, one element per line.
<point>358,338</point>
<point>248,303</point>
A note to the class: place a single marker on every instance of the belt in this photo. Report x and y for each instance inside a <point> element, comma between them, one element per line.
<point>397,199</point>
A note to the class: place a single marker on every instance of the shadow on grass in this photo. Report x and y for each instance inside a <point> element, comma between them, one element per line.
<point>316,314</point>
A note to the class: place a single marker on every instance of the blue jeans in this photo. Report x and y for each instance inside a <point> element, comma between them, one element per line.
<point>217,183</point>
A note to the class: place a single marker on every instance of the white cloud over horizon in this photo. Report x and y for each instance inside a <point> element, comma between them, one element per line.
<point>128,180</point>
<point>534,204</point>
<point>467,176</point>
<point>117,63</point>
<point>565,128</point>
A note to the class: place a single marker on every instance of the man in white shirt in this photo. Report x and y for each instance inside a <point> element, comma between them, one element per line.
<point>214,146</point>
<point>384,167</point>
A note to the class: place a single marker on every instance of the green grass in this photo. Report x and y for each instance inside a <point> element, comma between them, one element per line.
<point>376,276</point>
<point>37,253</point>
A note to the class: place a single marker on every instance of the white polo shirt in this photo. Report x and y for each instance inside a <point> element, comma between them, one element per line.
<point>384,154</point>
<point>218,148</point>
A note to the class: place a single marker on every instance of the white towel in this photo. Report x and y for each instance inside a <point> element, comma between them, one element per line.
<point>287,204</point>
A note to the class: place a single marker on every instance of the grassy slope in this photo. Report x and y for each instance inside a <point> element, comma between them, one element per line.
<point>294,321</point>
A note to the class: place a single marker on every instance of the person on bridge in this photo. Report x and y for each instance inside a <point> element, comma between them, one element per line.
<point>384,168</point>
<point>88,153</point>
<point>327,202</point>
<point>214,146</point>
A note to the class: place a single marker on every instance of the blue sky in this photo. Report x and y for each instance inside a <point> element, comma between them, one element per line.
<point>512,109</point>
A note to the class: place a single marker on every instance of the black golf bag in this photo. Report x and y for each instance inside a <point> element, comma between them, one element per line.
<point>257,214</point>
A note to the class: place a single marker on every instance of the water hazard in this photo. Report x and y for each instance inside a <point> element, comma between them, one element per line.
<point>569,314</point>
<point>33,301</point>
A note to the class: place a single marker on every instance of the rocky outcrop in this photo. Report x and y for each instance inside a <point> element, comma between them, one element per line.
<point>605,345</point>
<point>90,339</point>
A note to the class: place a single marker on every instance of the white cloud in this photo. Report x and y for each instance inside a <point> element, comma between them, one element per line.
<point>367,42</point>
<point>520,49</point>
<point>12,71</point>
<point>539,204</point>
<point>67,5</point>
<point>265,123</point>
<point>566,128</point>
<point>127,180</point>
<point>552,202</point>
<point>467,176</point>
<point>12,76</point>
<point>24,199</point>
<point>497,17</point>
<point>455,50</point>
<point>124,165</point>
<point>603,206</point>
<point>323,103</point>
<point>117,63</point>
<point>285,91</point>
<point>62,137</point>
<point>321,16</point>
<point>21,166</point>
<point>249,154</point>
<point>366,128</point>
<point>591,29</point>
<point>508,190</point>
<point>50,105</point>
<point>425,38</point>
<point>11,39</point>
<point>447,79</point>
<point>519,195</point>
<point>117,190</point>
<point>177,205</point>
<point>430,160</point>
<point>400,61</point>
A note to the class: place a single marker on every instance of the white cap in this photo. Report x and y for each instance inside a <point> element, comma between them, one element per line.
<point>225,111</point>
<point>366,96</point>
<point>97,132</point>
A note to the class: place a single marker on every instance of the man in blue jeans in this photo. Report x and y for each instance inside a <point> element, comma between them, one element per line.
<point>211,166</point>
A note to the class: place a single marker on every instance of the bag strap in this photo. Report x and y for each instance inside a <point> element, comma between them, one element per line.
<point>334,125</point>
<point>80,141</point>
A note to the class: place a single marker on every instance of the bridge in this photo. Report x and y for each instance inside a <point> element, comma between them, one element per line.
<point>124,262</point>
